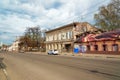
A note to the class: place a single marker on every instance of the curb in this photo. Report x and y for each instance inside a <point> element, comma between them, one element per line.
<point>93,55</point>
<point>83,55</point>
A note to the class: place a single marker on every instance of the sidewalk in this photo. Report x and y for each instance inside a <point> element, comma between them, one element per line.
<point>82,55</point>
<point>92,55</point>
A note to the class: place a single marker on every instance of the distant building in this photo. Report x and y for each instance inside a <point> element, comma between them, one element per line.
<point>63,38</point>
<point>15,46</point>
<point>3,47</point>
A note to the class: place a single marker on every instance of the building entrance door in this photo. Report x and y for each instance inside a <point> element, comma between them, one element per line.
<point>67,47</point>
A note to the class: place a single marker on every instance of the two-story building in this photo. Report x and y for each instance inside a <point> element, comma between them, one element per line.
<point>63,38</point>
<point>15,46</point>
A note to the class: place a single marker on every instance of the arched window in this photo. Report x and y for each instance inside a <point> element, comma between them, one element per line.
<point>104,47</point>
<point>88,47</point>
<point>96,47</point>
<point>115,47</point>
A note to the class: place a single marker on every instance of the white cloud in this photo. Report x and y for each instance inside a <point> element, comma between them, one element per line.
<point>16,15</point>
<point>16,23</point>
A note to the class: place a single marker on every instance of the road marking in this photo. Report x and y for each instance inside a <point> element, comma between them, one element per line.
<point>3,68</point>
<point>6,74</point>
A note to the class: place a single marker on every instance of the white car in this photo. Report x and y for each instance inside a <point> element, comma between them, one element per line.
<point>53,52</point>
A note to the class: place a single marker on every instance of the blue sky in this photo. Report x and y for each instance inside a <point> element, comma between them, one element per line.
<point>16,15</point>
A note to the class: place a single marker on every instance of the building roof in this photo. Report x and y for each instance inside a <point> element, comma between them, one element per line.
<point>68,25</point>
<point>112,35</point>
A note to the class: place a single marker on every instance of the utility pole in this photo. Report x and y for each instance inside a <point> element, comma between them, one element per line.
<point>74,25</point>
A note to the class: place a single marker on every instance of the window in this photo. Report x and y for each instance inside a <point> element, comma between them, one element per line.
<point>55,37</point>
<point>88,47</point>
<point>96,47</point>
<point>66,35</point>
<point>115,47</point>
<point>70,34</point>
<point>104,47</point>
<point>59,36</point>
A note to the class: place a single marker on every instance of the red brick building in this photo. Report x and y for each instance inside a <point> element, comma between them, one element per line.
<point>107,42</point>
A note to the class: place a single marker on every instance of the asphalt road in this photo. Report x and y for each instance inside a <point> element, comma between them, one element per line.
<point>50,67</point>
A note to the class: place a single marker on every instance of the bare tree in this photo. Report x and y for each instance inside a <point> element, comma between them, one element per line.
<point>34,34</point>
<point>33,38</point>
<point>108,17</point>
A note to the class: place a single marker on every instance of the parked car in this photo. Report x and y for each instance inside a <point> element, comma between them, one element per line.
<point>53,52</point>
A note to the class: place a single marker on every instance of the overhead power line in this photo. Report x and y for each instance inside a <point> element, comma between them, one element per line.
<point>78,18</point>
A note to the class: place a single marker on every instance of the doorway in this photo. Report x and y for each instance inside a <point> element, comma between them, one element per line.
<point>104,47</point>
<point>67,47</point>
<point>115,47</point>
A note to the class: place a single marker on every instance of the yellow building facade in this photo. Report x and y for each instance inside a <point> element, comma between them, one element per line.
<point>63,38</point>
